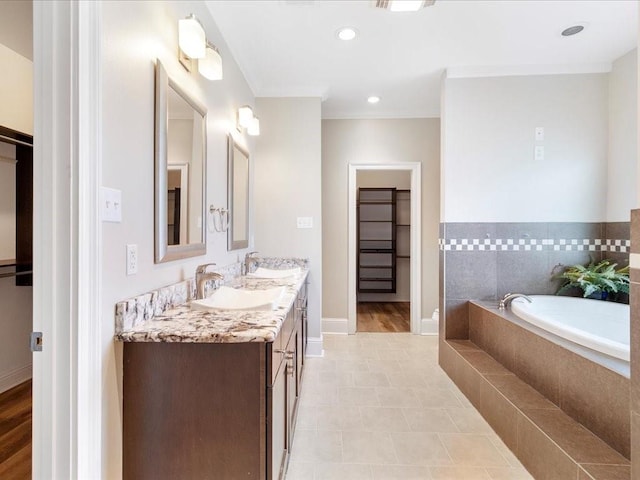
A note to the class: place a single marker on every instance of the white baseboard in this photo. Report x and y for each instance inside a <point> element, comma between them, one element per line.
<point>314,347</point>
<point>429,326</point>
<point>335,325</point>
<point>15,377</point>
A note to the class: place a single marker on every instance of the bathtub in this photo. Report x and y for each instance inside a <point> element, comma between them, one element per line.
<point>595,324</point>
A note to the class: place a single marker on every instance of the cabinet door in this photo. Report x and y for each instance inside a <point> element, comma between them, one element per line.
<point>292,386</point>
<point>278,424</point>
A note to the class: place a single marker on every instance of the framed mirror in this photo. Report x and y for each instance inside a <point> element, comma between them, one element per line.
<point>238,191</point>
<point>180,168</point>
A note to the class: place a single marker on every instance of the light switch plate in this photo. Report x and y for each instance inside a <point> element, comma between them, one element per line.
<point>111,204</point>
<point>305,222</point>
<point>539,153</point>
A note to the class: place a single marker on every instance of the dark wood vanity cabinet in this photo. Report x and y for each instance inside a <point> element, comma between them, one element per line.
<point>213,410</point>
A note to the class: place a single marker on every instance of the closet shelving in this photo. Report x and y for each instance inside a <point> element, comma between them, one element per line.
<point>377,240</point>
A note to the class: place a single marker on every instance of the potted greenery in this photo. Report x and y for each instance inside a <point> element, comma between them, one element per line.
<point>596,280</point>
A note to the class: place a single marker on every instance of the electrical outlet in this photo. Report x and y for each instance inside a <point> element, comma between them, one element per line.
<point>539,153</point>
<point>132,259</point>
<point>539,134</point>
<point>304,222</point>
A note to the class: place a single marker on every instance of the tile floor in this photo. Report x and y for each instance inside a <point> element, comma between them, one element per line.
<point>377,406</point>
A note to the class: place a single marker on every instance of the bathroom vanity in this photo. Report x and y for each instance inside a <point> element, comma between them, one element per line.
<point>214,394</point>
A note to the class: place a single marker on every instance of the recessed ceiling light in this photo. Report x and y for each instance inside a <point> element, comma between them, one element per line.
<point>373,99</point>
<point>567,32</point>
<point>347,33</point>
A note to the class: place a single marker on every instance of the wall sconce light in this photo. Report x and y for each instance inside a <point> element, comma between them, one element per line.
<point>191,37</point>
<point>245,114</point>
<point>194,46</point>
<point>246,119</point>
<point>210,67</point>
<point>254,127</point>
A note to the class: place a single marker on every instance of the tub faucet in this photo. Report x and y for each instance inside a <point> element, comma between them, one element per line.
<point>249,261</point>
<point>202,276</point>
<point>510,296</point>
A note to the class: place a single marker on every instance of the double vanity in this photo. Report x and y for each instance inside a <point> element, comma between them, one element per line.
<point>211,386</point>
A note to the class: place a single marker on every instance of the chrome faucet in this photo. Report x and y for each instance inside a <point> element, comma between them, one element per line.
<point>509,297</point>
<point>202,276</point>
<point>249,261</point>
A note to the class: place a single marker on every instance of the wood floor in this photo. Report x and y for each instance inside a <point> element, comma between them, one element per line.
<point>15,433</point>
<point>383,317</point>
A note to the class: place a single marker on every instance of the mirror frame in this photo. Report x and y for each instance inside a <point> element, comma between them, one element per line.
<point>231,146</point>
<point>163,251</point>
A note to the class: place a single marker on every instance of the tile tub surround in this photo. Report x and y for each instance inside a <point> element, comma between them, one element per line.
<point>483,261</point>
<point>141,319</point>
<point>548,442</point>
<point>592,394</point>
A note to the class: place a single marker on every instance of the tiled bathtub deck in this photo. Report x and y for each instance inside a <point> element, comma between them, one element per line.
<point>378,406</point>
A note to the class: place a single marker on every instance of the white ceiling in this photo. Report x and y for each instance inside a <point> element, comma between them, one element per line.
<point>289,47</point>
<point>16,26</point>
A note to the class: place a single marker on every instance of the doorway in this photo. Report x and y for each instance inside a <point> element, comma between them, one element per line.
<point>16,298</point>
<point>358,299</point>
<point>383,250</point>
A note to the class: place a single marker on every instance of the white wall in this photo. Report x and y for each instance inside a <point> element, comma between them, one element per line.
<point>489,171</point>
<point>622,194</point>
<point>134,34</point>
<point>16,91</point>
<point>287,185</point>
<point>401,180</point>
<point>385,141</point>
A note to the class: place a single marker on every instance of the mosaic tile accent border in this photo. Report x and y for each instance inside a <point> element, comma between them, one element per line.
<point>534,244</point>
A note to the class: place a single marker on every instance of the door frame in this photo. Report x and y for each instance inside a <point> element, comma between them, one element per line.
<point>67,373</point>
<point>415,168</point>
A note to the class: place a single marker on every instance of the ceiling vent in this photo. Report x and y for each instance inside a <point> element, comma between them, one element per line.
<point>403,5</point>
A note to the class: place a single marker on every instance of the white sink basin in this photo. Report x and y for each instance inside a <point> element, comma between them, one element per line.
<point>227,298</point>
<point>272,273</point>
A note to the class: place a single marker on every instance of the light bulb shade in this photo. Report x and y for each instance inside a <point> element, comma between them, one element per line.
<point>210,67</point>
<point>245,114</point>
<point>254,127</point>
<point>191,37</point>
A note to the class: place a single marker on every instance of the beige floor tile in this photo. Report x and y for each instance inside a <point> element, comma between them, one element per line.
<point>468,420</point>
<point>307,417</point>
<point>459,473</point>
<point>472,450</point>
<point>418,448</point>
<point>508,473</point>
<point>370,379</point>
<point>357,396</point>
<point>437,397</point>
<point>412,379</point>
<point>368,447</point>
<point>300,471</point>
<point>435,420</point>
<point>317,395</point>
<point>386,366</point>
<point>320,446</point>
<point>342,471</point>
<point>383,419</point>
<point>506,453</point>
<point>331,379</point>
<point>400,472</point>
<point>338,418</point>
<point>401,397</point>
<point>352,365</point>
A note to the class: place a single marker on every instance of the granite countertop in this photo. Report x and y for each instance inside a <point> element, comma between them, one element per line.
<point>182,324</point>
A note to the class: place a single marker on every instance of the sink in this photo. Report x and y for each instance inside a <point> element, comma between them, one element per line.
<point>273,273</point>
<point>227,298</point>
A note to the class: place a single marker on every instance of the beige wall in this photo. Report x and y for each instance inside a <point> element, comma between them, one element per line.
<point>384,141</point>
<point>401,180</point>
<point>287,185</point>
<point>16,91</point>
<point>489,171</point>
<point>622,194</point>
<point>134,34</point>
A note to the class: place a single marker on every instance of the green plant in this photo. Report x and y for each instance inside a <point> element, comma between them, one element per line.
<point>595,278</point>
